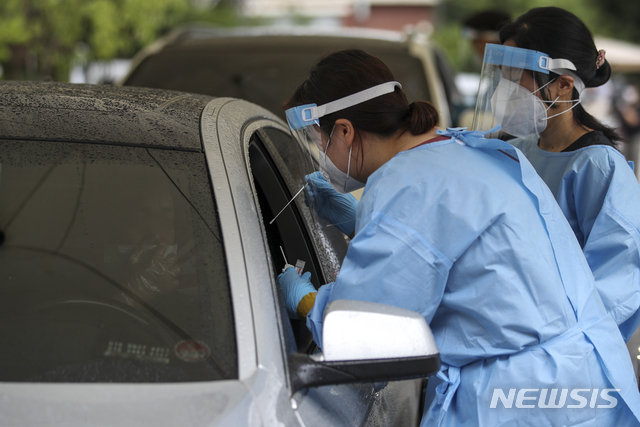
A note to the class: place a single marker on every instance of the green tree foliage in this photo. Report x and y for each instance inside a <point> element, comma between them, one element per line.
<point>39,39</point>
<point>619,19</point>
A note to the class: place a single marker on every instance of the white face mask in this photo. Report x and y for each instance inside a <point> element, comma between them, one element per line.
<point>340,181</point>
<point>519,111</point>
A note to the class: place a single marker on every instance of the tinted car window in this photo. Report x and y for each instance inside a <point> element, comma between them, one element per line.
<point>112,267</point>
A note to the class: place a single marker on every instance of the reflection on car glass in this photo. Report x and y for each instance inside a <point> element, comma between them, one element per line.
<point>183,195</point>
<point>110,244</point>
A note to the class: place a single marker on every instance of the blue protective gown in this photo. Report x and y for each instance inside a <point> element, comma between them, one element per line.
<point>600,197</point>
<point>468,235</point>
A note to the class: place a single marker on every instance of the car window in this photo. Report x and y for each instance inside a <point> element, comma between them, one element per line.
<point>285,155</point>
<point>112,267</point>
<point>276,179</point>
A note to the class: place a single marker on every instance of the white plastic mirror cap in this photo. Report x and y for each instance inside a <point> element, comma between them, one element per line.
<point>361,330</point>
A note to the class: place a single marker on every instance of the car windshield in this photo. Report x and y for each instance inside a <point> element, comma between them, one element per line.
<point>112,267</point>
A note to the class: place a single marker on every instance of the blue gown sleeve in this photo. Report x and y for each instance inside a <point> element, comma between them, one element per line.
<point>315,316</point>
<point>607,204</point>
<point>390,263</point>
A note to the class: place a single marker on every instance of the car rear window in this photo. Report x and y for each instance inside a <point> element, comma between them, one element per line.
<point>112,266</point>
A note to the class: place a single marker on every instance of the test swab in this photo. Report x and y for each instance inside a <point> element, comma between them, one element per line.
<point>285,206</point>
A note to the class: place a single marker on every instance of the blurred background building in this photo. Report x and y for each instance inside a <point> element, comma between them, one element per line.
<point>380,14</point>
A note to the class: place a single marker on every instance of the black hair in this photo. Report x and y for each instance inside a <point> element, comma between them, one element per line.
<point>561,34</point>
<point>346,72</point>
<point>487,20</point>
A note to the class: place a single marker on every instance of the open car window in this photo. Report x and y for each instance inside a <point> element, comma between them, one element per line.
<point>273,155</point>
<point>112,267</point>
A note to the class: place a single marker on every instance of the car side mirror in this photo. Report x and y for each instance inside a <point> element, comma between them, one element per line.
<point>366,342</point>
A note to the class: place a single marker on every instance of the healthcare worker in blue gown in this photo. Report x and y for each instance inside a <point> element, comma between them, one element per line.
<point>462,230</point>
<point>572,151</point>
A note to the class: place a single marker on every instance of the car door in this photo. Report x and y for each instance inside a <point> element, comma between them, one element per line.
<point>271,157</point>
<point>353,404</point>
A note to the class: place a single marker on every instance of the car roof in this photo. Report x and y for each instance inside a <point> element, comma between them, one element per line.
<point>291,35</point>
<point>100,114</point>
<point>264,65</point>
<point>278,39</point>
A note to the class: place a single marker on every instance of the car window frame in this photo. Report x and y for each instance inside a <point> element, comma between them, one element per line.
<point>231,234</point>
<point>227,125</point>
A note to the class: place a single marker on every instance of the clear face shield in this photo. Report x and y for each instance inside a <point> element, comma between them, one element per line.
<point>510,90</point>
<point>304,122</point>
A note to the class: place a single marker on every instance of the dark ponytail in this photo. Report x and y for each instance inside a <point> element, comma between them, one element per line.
<point>346,72</point>
<point>561,34</point>
<point>601,77</point>
<point>421,117</point>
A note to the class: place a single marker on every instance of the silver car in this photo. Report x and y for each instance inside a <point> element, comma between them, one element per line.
<point>138,257</point>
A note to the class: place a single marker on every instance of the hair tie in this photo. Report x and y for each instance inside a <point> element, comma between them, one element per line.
<point>600,59</point>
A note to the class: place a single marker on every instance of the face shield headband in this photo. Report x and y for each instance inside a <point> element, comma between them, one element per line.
<point>309,114</point>
<point>503,97</point>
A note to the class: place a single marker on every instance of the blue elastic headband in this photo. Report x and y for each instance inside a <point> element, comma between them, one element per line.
<point>516,57</point>
<point>301,116</point>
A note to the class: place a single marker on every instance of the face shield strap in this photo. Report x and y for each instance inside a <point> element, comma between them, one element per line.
<point>577,81</point>
<point>357,98</point>
<point>554,65</point>
<point>527,59</point>
<point>564,67</point>
<point>309,114</point>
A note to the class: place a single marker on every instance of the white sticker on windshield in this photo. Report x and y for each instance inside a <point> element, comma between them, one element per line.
<point>116,349</point>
